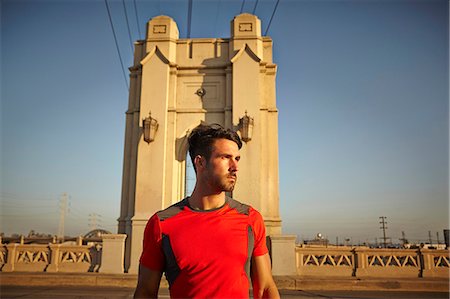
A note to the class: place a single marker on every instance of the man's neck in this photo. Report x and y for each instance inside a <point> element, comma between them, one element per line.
<point>203,202</point>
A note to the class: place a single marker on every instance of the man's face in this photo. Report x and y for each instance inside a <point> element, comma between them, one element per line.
<point>221,169</point>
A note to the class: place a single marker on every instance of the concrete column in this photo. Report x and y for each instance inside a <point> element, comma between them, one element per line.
<point>113,253</point>
<point>11,260</point>
<point>283,254</point>
<point>360,262</point>
<point>54,258</point>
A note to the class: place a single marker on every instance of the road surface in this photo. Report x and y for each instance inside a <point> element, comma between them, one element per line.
<point>61,292</point>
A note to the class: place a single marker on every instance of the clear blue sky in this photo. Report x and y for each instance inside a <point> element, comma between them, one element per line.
<point>362,92</point>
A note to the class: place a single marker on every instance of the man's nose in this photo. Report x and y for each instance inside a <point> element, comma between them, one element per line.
<point>234,165</point>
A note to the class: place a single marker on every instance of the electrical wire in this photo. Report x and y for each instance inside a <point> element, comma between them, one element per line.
<point>137,19</point>
<point>23,197</point>
<point>254,8</point>
<point>128,25</point>
<point>117,45</point>
<point>273,13</point>
<point>242,6</point>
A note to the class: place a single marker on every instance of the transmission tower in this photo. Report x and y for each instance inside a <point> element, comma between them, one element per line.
<point>384,228</point>
<point>403,239</point>
<point>62,214</point>
<point>94,220</point>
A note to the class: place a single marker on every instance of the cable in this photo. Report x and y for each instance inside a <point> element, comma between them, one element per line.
<point>23,197</point>
<point>128,26</point>
<point>117,46</point>
<point>137,19</point>
<point>273,13</point>
<point>242,6</point>
<point>254,8</point>
<point>189,19</point>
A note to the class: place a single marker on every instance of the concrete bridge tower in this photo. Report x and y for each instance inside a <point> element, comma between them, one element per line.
<point>175,84</point>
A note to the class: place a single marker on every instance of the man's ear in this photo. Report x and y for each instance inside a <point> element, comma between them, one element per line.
<point>199,161</point>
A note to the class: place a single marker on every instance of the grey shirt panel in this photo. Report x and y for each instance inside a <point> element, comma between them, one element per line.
<point>172,210</point>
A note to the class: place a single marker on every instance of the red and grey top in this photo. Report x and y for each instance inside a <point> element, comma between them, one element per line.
<point>205,254</point>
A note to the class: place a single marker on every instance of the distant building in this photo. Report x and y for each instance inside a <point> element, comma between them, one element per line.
<point>319,240</point>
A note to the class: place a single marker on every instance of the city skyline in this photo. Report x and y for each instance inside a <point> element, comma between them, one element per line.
<point>362,93</point>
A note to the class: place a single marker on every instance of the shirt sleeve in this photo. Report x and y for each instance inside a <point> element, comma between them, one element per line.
<point>152,255</point>
<point>259,231</point>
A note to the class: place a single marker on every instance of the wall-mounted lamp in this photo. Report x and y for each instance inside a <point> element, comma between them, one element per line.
<point>150,127</point>
<point>246,127</point>
<point>200,92</point>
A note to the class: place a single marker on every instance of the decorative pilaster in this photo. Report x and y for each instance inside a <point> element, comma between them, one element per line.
<point>54,258</point>
<point>113,253</point>
<point>11,259</point>
<point>283,254</point>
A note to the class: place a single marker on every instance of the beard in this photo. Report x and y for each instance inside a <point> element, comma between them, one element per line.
<point>224,182</point>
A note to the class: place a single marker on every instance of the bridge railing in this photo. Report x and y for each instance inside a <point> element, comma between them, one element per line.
<point>367,262</point>
<point>17,257</point>
<point>108,256</point>
<point>325,261</point>
<point>436,263</point>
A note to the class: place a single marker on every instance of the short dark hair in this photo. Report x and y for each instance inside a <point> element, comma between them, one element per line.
<point>202,138</point>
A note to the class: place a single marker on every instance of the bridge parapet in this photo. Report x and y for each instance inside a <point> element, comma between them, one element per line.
<point>436,263</point>
<point>367,262</point>
<point>388,262</point>
<point>62,257</point>
<point>318,261</point>
<point>310,261</point>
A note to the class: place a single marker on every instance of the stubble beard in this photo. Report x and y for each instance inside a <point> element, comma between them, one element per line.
<point>224,182</point>
<point>227,184</point>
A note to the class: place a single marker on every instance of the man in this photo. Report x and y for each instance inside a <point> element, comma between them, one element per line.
<point>206,243</point>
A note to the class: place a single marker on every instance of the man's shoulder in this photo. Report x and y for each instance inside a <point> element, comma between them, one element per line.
<point>173,210</point>
<point>240,207</point>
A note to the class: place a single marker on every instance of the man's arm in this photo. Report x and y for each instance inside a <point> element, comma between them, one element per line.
<point>262,280</point>
<point>148,283</point>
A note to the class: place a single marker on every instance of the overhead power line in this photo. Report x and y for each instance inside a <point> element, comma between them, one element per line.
<point>117,45</point>
<point>271,18</point>
<point>254,8</point>
<point>137,19</point>
<point>128,25</point>
<point>242,6</point>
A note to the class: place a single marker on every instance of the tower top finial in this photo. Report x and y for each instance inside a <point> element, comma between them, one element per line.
<point>162,27</point>
<point>245,25</point>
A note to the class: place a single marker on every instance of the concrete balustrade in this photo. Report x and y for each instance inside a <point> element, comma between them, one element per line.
<point>287,259</point>
<point>366,262</point>
<point>436,263</point>
<point>321,261</point>
<point>26,258</point>
<point>50,258</point>
<point>388,263</point>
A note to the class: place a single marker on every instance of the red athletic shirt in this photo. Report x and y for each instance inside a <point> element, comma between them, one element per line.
<point>205,254</point>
